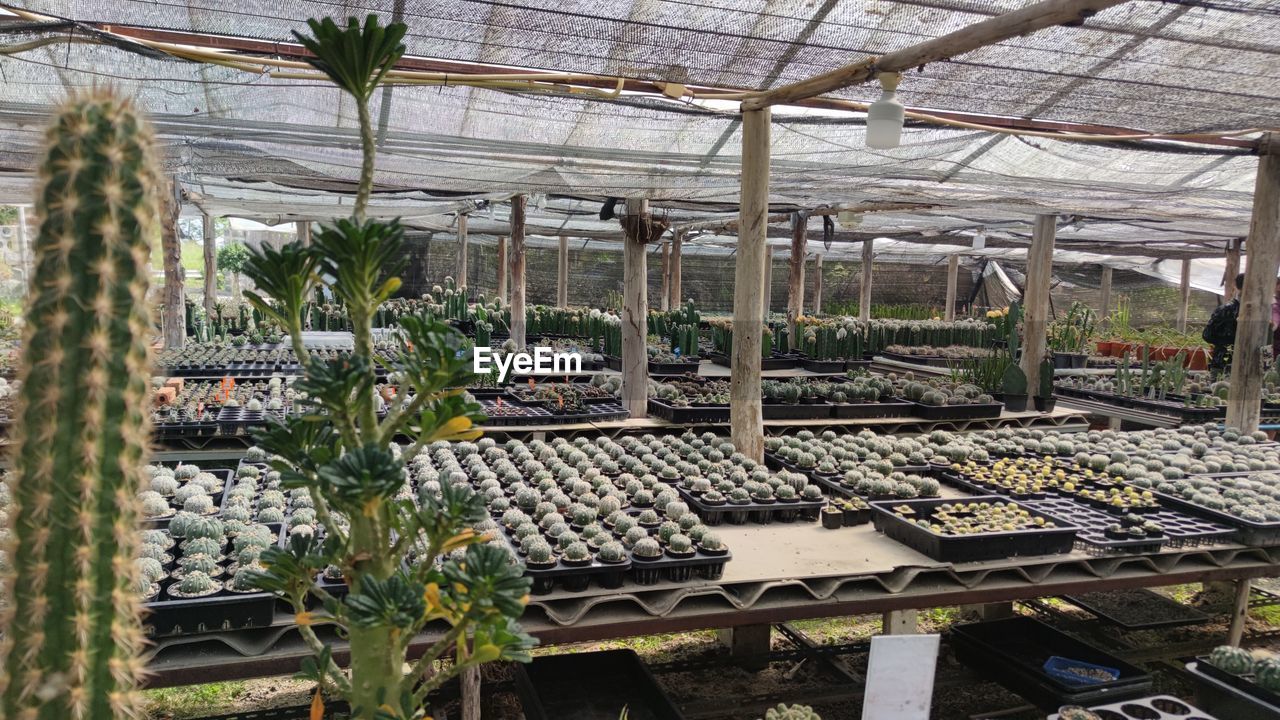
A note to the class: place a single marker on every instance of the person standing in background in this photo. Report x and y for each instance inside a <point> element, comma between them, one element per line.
<point>1220,331</point>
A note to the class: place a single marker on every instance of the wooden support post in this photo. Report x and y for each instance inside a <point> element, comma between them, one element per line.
<point>664,298</point>
<point>502,268</point>
<point>461,270</point>
<point>174,323</point>
<point>1022,21</point>
<point>24,247</point>
<point>302,229</point>
<point>1035,318</point>
<point>562,274</point>
<point>1104,303</point>
<point>1239,613</point>
<point>677,240</point>
<point>471,693</point>
<point>1184,295</point>
<point>745,418</point>
<point>635,315</point>
<point>749,645</point>
<point>210,267</point>
<point>1253,326</point>
<point>516,263</point>
<point>817,284</point>
<point>900,622</point>
<point>795,274</point>
<point>768,284</point>
<point>1231,271</point>
<point>953,277</point>
<point>864,292</point>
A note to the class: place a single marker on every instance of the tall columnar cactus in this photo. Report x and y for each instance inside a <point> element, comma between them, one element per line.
<point>71,624</point>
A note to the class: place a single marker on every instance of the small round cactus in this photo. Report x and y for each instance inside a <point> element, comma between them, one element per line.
<point>647,548</point>
<point>791,712</point>
<point>711,542</point>
<point>635,535</point>
<point>1075,712</point>
<point>188,491</point>
<point>577,552</point>
<point>245,579</point>
<point>198,563</point>
<point>157,537</point>
<point>195,584</point>
<point>200,505</point>
<point>248,555</point>
<point>204,527</point>
<point>650,518</point>
<point>676,510</point>
<point>154,505</point>
<point>624,524</point>
<point>150,569</point>
<point>566,538</point>
<point>256,535</point>
<point>202,546</point>
<point>539,553</point>
<point>155,552</point>
<point>612,552</point>
<point>164,484</point>
<point>270,515</point>
<point>680,544</point>
<point>1230,659</point>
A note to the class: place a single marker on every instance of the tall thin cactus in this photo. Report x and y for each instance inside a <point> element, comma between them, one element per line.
<point>71,621</point>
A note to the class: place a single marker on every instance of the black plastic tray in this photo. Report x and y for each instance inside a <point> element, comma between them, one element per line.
<point>1228,698</point>
<point>675,368</point>
<point>822,367</point>
<point>1180,529</point>
<point>983,411</point>
<point>1012,652</point>
<point>970,548</point>
<point>926,360</point>
<point>1244,683</point>
<point>1253,534</point>
<point>1175,613</point>
<point>776,511</point>
<point>798,411</point>
<point>592,686</point>
<point>775,362</point>
<point>1152,707</point>
<point>889,409</point>
<point>689,415</point>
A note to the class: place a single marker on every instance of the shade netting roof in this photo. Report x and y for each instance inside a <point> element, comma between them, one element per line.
<point>249,145</point>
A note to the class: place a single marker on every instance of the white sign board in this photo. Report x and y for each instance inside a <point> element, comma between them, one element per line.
<point>900,677</point>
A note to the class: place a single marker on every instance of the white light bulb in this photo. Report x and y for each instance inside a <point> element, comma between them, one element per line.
<point>885,116</point>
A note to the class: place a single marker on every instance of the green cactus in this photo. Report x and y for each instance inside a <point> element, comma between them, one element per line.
<point>1046,380</point>
<point>1015,380</point>
<point>71,622</point>
<point>791,712</point>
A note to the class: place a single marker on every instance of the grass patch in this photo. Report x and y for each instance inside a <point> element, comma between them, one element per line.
<point>192,700</point>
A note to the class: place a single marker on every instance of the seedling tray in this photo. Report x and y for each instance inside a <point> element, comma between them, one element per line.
<point>577,578</point>
<point>674,368</point>
<point>592,686</point>
<point>1245,683</point>
<point>220,612</point>
<point>1228,699</point>
<point>1013,652</point>
<point>979,411</point>
<point>798,411</point>
<point>1126,608</point>
<point>701,564</point>
<point>1180,529</point>
<point>927,360</point>
<point>690,414</point>
<point>850,411</point>
<point>1253,534</point>
<point>762,513</point>
<point>775,362</point>
<point>970,548</point>
<point>1156,707</point>
<point>824,367</point>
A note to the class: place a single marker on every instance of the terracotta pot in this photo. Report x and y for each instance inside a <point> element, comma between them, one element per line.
<point>1104,347</point>
<point>1198,359</point>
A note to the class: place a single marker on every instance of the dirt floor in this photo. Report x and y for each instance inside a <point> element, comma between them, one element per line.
<point>708,687</point>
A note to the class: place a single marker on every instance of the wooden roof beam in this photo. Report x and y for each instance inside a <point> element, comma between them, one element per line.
<point>988,32</point>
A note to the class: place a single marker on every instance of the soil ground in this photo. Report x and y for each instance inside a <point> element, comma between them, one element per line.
<point>718,690</point>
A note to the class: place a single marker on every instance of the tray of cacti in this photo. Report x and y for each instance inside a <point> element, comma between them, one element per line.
<point>941,400</point>
<point>196,577</point>
<point>592,686</point>
<point>869,484</point>
<point>785,497</point>
<point>1257,676</point>
<point>795,399</point>
<point>1249,504</point>
<point>185,487</point>
<point>974,529</point>
<point>1044,665</point>
<point>829,345</point>
<point>863,396</point>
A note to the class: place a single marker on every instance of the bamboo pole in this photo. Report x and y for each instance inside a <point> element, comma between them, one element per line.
<point>953,278</point>
<point>562,273</point>
<point>1035,322</point>
<point>1104,309</point>
<point>635,314</point>
<point>462,270</point>
<point>1231,271</point>
<point>817,284</point>
<point>1253,326</point>
<point>665,296</point>
<point>677,241</point>
<point>210,267</point>
<point>1184,296</point>
<point>502,268</point>
<point>746,421</point>
<point>987,32</point>
<point>795,274</point>
<point>174,321</point>
<point>864,291</point>
<point>516,263</point>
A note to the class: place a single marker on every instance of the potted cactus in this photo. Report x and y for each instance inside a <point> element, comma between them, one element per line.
<point>832,517</point>
<point>1044,400</point>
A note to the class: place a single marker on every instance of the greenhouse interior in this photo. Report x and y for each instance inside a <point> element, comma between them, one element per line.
<point>648,360</point>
